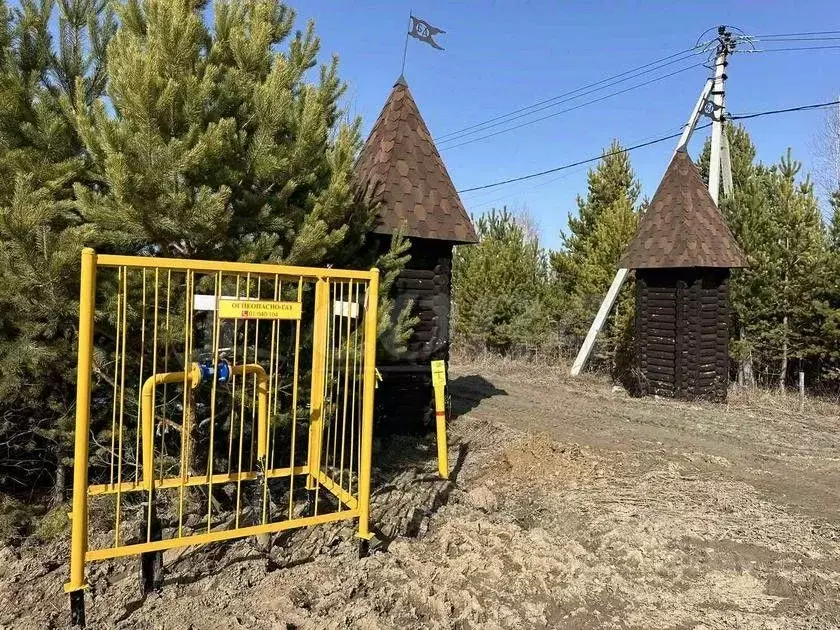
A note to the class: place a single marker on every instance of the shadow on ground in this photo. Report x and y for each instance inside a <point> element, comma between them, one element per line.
<point>467,392</point>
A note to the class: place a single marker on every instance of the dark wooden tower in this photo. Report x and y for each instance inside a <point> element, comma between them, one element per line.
<point>682,253</point>
<point>401,167</point>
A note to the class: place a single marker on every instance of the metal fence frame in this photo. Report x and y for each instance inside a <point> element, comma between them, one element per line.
<point>357,507</point>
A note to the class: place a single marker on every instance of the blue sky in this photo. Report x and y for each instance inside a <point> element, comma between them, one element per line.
<point>503,55</point>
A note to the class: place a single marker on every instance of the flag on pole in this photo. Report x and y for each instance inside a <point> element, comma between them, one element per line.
<point>425,32</point>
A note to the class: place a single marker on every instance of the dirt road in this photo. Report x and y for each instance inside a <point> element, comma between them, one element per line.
<point>573,506</point>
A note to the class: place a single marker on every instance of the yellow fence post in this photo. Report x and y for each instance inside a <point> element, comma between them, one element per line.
<point>79,517</point>
<point>439,385</point>
<point>368,386</point>
<point>316,398</point>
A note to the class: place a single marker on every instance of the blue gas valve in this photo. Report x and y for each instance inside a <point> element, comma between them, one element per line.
<point>222,371</point>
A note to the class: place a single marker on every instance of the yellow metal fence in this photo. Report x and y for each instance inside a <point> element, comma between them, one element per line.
<point>216,401</point>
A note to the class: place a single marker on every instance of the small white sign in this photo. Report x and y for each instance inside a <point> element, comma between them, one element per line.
<point>202,302</point>
<point>346,309</point>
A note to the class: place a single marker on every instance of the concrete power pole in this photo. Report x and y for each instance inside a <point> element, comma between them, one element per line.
<point>714,88</point>
<point>726,45</point>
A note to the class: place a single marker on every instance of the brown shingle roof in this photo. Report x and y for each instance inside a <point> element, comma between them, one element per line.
<point>682,227</point>
<point>401,166</point>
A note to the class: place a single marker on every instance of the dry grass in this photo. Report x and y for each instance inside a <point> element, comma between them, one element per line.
<point>547,370</point>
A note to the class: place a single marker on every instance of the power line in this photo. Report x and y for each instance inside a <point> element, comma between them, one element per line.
<point>609,79</point>
<point>794,39</point>
<point>771,112</point>
<point>478,204</point>
<point>569,109</point>
<point>801,108</point>
<point>796,34</point>
<point>538,107</point>
<point>578,163</point>
<point>787,49</point>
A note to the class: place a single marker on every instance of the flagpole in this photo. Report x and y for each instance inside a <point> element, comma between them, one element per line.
<point>405,47</point>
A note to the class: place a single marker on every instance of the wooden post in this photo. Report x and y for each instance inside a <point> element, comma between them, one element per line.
<point>801,391</point>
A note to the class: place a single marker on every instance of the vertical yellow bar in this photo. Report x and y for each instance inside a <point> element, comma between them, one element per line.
<point>294,406</point>
<point>186,425</point>
<point>371,325</point>
<point>116,375</point>
<point>140,377</point>
<point>316,399</point>
<point>439,385</point>
<point>213,391</point>
<point>262,420</point>
<point>78,546</point>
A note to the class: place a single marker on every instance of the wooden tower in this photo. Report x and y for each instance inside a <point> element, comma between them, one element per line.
<point>682,254</point>
<point>403,171</point>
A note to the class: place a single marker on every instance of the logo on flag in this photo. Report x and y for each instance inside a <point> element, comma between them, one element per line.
<point>425,32</point>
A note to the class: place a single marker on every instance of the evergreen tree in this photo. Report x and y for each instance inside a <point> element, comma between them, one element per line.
<point>828,304</point>
<point>209,142</point>
<point>776,220</point>
<point>40,236</point>
<point>834,223</point>
<point>213,142</point>
<point>747,214</point>
<point>218,146</point>
<point>499,288</point>
<point>605,224</point>
<point>800,249</point>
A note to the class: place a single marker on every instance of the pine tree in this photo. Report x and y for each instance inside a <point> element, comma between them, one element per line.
<point>585,266</point>
<point>834,223</point>
<point>499,288</point>
<point>747,214</point>
<point>800,250</point>
<point>828,304</point>
<point>213,142</point>
<point>218,146</point>
<point>776,220</point>
<point>40,236</point>
<point>160,137</point>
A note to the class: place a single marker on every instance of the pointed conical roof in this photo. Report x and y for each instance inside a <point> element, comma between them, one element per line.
<point>682,226</point>
<point>402,168</point>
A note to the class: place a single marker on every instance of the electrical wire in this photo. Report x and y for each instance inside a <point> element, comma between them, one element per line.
<point>794,39</point>
<point>788,49</point>
<point>569,109</point>
<point>558,101</point>
<point>461,137</point>
<point>623,76</point>
<point>800,108</point>
<point>769,35</point>
<point>477,205</point>
<point>482,197</point>
<point>579,162</point>
<point>607,80</point>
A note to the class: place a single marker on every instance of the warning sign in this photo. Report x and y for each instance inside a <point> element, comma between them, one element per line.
<point>258,309</point>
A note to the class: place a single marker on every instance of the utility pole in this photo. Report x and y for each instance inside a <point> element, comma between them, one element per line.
<point>713,88</point>
<point>621,275</point>
<point>726,44</point>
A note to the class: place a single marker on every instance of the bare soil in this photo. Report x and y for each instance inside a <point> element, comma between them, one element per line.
<point>571,506</point>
